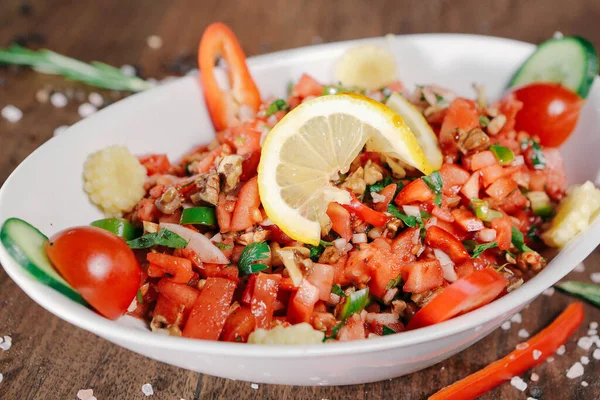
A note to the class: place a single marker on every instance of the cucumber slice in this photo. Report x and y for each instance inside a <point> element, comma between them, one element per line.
<point>540,203</point>
<point>571,61</point>
<point>26,245</point>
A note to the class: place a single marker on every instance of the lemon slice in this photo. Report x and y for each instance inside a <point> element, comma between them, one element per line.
<point>574,214</point>
<point>367,66</point>
<point>316,142</point>
<point>419,127</point>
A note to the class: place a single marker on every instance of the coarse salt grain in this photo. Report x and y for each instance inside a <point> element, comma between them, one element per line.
<point>584,383</point>
<point>60,130</point>
<point>548,292</point>
<point>596,354</point>
<point>42,95</point>
<point>11,113</point>
<point>86,394</point>
<point>579,268</point>
<point>523,333</point>
<point>154,42</point>
<point>58,100</point>
<point>1,377</point>
<point>128,70</point>
<point>584,360</point>
<point>592,332</point>
<point>516,318</point>
<point>585,342</point>
<point>147,389</point>
<point>575,371</point>
<point>522,346</point>
<point>549,359</point>
<point>96,99</point>
<point>518,383</point>
<point>536,354</point>
<point>254,386</point>
<point>561,350</point>
<point>535,377</point>
<point>86,109</point>
<point>506,325</point>
<point>593,325</point>
<point>595,277</point>
<point>5,343</point>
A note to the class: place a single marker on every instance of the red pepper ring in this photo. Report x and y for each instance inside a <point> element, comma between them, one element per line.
<point>219,40</point>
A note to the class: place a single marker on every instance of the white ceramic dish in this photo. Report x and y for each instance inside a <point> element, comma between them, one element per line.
<point>172,118</point>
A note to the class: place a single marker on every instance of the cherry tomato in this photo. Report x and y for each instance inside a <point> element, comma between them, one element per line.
<point>99,265</point>
<point>549,111</point>
<point>466,294</point>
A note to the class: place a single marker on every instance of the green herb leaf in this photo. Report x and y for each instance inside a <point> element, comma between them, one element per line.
<point>538,160</point>
<point>394,282</point>
<point>378,186</point>
<point>94,74</point>
<point>503,154</point>
<point>532,234</point>
<point>388,331</point>
<point>435,183</point>
<point>408,220</point>
<point>316,251</point>
<point>140,297</point>
<point>325,243</point>
<point>480,248</point>
<point>439,97</point>
<point>484,121</point>
<point>251,253</point>
<point>223,246</point>
<point>518,241</point>
<point>355,303</point>
<point>238,338</point>
<point>334,332</point>
<point>336,289</point>
<point>164,237</point>
<point>277,105</point>
<point>586,291</point>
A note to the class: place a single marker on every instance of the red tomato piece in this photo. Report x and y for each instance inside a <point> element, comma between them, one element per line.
<point>550,111</point>
<point>466,294</point>
<point>441,239</point>
<point>471,189</point>
<point>224,211</point>
<point>421,276</point>
<point>170,310</point>
<point>365,213</point>
<point>321,277</point>
<point>483,159</point>
<point>263,299</point>
<point>307,86</point>
<point>503,228</point>
<point>463,114</point>
<point>99,265</point>
<point>209,313</point>
<point>250,165</point>
<point>246,212</point>
<point>249,289</point>
<point>442,213</point>
<point>208,160</point>
<point>238,326</point>
<point>514,202</point>
<point>179,293</point>
<point>340,271</point>
<point>278,235</point>
<point>416,191</point>
<point>466,220</point>
<point>453,229</point>
<point>501,188</point>
<point>340,220</point>
<point>491,174</point>
<point>244,138</point>
<point>453,178</point>
<point>179,268</point>
<point>155,164</point>
<point>509,106</point>
<point>353,329</point>
<point>388,195</point>
<point>386,261</point>
<point>302,303</point>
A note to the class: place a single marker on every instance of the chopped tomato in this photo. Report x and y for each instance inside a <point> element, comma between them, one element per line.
<point>441,239</point>
<point>388,195</point>
<point>278,235</point>
<point>386,261</point>
<point>353,329</point>
<point>244,138</point>
<point>178,292</point>
<point>147,211</point>
<point>466,294</point>
<point>503,228</point>
<point>171,311</point>
<point>208,160</point>
<point>463,114</point>
<point>224,211</point>
<point>340,271</point>
<point>221,271</point>
<point>263,299</point>
<point>179,268</point>
<point>307,86</point>
<point>249,289</point>
<point>443,214</point>
<point>340,220</point>
<point>155,164</point>
<point>321,277</point>
<point>491,174</point>
<point>471,188</point>
<point>246,212</point>
<point>514,202</point>
<point>302,303</point>
<point>357,268</point>
<point>239,325</point>
<point>483,159</point>
<point>421,276</point>
<point>453,229</point>
<point>250,165</point>
<point>365,213</point>
<point>209,313</point>
<point>466,220</point>
<point>416,191</point>
<point>501,188</point>
<point>453,178</point>
<point>509,106</point>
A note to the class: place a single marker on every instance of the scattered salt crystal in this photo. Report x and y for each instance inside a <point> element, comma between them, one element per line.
<point>518,383</point>
<point>557,35</point>
<point>516,318</point>
<point>561,350</point>
<point>443,368</point>
<point>5,343</point>
<point>154,42</point>
<point>254,386</point>
<point>522,346</point>
<point>523,333</point>
<point>595,277</point>
<point>86,109</point>
<point>585,342</point>
<point>584,383</point>
<point>535,377</point>
<point>579,268</point>
<point>96,99</point>
<point>548,292</point>
<point>128,70</point>
<point>42,95</point>
<point>593,325</point>
<point>592,332</point>
<point>531,398</point>
<point>596,354</point>
<point>1,377</point>
<point>60,130</point>
<point>536,354</point>
<point>575,371</point>
<point>58,100</point>
<point>11,113</point>
<point>86,394</point>
<point>193,71</point>
<point>549,359</point>
<point>147,389</point>
<point>585,360</point>
<point>506,325</point>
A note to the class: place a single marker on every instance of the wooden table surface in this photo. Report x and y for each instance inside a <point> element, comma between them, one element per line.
<point>50,359</point>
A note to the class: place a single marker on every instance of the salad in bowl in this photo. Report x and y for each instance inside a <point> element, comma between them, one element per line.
<point>346,210</point>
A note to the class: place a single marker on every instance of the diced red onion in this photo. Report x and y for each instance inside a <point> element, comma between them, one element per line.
<point>381,318</point>
<point>519,160</point>
<point>377,198</point>
<point>416,237</point>
<point>272,120</point>
<point>389,295</point>
<point>447,265</point>
<point>359,238</point>
<point>340,243</point>
<point>218,238</point>
<point>421,250</point>
<point>375,232</point>
<point>430,222</point>
<point>347,248</point>
<point>200,244</point>
<point>267,222</point>
<point>486,235</point>
<point>413,211</point>
<point>246,113</point>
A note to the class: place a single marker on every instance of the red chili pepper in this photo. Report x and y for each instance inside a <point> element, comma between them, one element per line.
<point>517,362</point>
<point>365,213</point>
<point>220,41</point>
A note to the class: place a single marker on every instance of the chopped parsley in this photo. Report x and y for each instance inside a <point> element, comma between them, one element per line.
<point>163,237</point>
<point>334,331</point>
<point>394,282</point>
<point>386,93</point>
<point>378,186</point>
<point>408,220</point>
<point>336,289</point>
<point>435,183</point>
<point>223,246</point>
<point>277,105</point>
<point>480,248</point>
<point>316,251</point>
<point>539,160</point>
<point>518,241</point>
<point>388,331</point>
<point>140,297</point>
<point>252,253</point>
<point>484,121</point>
<point>532,234</point>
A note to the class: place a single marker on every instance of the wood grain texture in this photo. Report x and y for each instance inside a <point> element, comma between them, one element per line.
<point>51,359</point>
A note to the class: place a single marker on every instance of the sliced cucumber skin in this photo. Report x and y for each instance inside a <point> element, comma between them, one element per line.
<point>588,74</point>
<point>15,250</point>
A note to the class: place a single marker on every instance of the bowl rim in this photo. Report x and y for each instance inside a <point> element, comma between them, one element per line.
<point>121,334</point>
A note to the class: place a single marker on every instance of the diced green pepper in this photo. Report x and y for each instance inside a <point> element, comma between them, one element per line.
<point>540,203</point>
<point>355,303</point>
<point>483,211</point>
<point>119,226</point>
<point>199,216</point>
<point>503,154</point>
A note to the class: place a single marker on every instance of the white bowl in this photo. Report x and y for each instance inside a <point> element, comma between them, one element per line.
<point>46,190</point>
